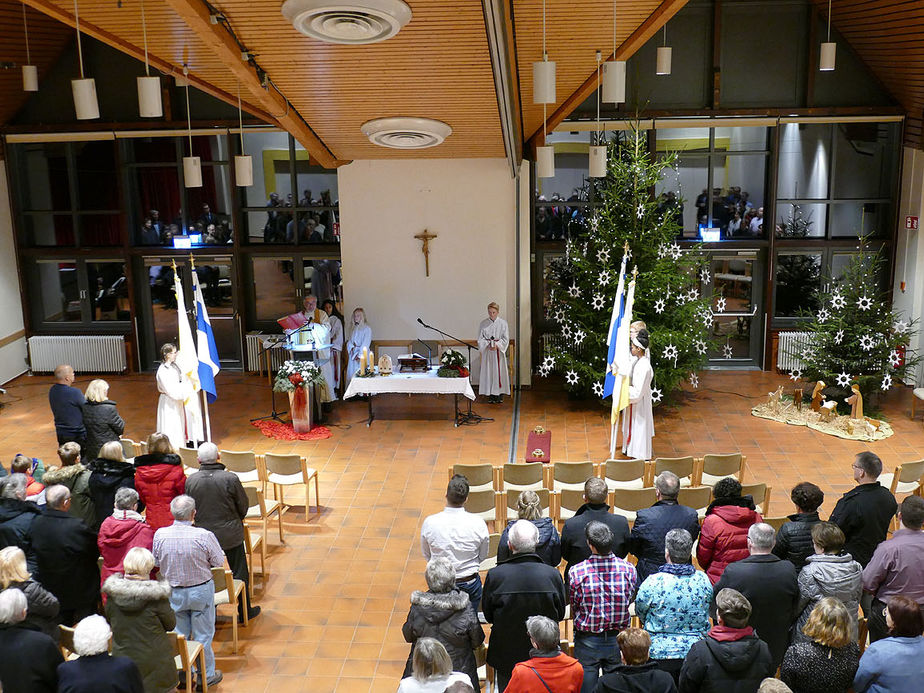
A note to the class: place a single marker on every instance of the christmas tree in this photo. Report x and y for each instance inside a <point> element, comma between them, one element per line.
<point>667,294</point>
<point>856,337</point>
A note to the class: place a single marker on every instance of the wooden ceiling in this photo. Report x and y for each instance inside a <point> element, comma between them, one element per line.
<point>438,66</point>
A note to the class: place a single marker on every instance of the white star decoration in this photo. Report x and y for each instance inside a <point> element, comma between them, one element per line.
<point>823,315</point>
<point>886,381</point>
<point>670,352</point>
<point>566,331</point>
<point>594,222</point>
<point>707,317</point>
<point>704,275</point>
<point>895,358</point>
<point>599,302</point>
<point>548,363</point>
<point>543,371</point>
<point>663,250</point>
<point>700,346</point>
<point>864,303</point>
<point>574,291</point>
<point>604,277</point>
<point>675,251</point>
<point>571,378</point>
<point>692,294</point>
<point>694,380</point>
<point>598,389</point>
<point>900,327</point>
<point>867,342</point>
<point>659,305</point>
<point>656,395</point>
<point>603,255</point>
<point>720,305</point>
<point>839,336</point>
<point>579,336</point>
<point>681,298</point>
<point>843,379</point>
<point>727,351</point>
<point>796,375</point>
<point>837,301</point>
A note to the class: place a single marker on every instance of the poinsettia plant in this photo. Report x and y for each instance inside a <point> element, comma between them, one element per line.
<point>293,374</point>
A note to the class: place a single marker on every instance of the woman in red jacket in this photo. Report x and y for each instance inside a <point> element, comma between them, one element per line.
<point>724,536</point>
<point>159,478</point>
<point>123,530</point>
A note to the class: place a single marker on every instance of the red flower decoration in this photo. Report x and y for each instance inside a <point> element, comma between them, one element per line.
<point>295,378</point>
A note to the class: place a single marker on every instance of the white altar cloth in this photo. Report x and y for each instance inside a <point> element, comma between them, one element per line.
<point>428,383</point>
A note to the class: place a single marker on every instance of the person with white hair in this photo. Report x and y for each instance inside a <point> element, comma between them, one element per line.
<point>17,516</point>
<point>520,587</point>
<point>30,658</point>
<point>95,670</point>
<point>121,531</point>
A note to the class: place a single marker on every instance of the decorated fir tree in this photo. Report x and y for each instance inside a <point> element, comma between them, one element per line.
<point>667,294</point>
<point>856,336</point>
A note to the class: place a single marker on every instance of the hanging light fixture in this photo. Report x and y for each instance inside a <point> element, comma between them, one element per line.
<point>149,98</point>
<point>29,71</point>
<point>243,164</point>
<point>614,73</point>
<point>597,167</point>
<point>544,93</point>
<point>663,66</point>
<point>84,89</point>
<point>192,165</point>
<point>828,48</point>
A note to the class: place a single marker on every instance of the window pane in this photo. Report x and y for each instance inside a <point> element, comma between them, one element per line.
<point>108,290</point>
<point>210,206</point>
<point>215,280</point>
<point>800,221</point>
<point>58,284</point>
<point>48,229</point>
<point>858,218</point>
<point>208,148</point>
<point>688,183</point>
<point>271,170</point>
<point>322,277</point>
<point>741,139</point>
<point>805,158</point>
<point>742,181</point>
<point>797,282</point>
<point>683,140</point>
<point>153,150</point>
<point>97,178</point>
<point>44,176</point>
<point>157,191</point>
<point>556,222</point>
<point>274,287</point>
<point>100,229</point>
<point>864,159</point>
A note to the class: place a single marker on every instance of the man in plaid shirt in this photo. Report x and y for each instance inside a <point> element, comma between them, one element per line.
<point>601,588</point>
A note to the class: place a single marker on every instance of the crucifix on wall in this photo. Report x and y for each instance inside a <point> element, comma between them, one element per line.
<point>426,237</point>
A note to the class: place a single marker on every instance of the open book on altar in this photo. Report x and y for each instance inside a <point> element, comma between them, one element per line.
<point>293,321</point>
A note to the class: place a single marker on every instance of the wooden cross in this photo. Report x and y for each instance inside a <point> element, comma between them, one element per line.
<point>426,236</point>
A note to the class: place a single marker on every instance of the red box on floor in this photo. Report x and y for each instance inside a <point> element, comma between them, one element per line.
<point>539,441</point>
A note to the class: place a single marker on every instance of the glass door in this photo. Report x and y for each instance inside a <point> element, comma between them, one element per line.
<point>737,282</point>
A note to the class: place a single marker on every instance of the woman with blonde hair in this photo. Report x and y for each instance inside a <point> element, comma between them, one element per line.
<point>43,606</point>
<point>108,473</point>
<point>174,388</point>
<point>159,478</point>
<point>360,336</point>
<point>141,616</point>
<point>432,669</point>
<point>829,661</point>
<point>548,548</point>
<point>100,418</point>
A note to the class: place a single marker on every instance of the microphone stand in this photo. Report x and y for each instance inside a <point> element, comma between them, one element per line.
<point>274,415</point>
<point>466,417</point>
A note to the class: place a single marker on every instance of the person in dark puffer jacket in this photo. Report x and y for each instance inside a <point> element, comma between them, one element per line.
<point>16,517</point>
<point>100,418</point>
<point>109,473</point>
<point>76,477</point>
<point>444,613</point>
<point>159,478</point>
<point>43,606</point>
<point>549,546</point>
<point>794,538</point>
<point>637,674</point>
<point>723,538</point>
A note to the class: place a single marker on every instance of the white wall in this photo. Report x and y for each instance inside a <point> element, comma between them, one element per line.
<point>470,204</point>
<point>909,256</point>
<point>13,354</point>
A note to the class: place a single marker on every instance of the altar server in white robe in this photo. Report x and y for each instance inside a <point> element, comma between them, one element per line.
<point>175,388</point>
<point>361,336</point>
<point>336,338</point>
<point>493,338</point>
<point>637,421</point>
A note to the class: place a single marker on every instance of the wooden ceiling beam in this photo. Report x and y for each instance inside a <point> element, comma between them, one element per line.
<point>218,39</point>
<point>48,8</point>
<point>656,20</point>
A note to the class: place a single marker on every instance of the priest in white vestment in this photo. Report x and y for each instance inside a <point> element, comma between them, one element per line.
<point>174,388</point>
<point>360,336</point>
<point>320,335</point>
<point>637,421</point>
<point>493,338</point>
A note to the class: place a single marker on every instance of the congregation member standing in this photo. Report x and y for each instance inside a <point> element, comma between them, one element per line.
<point>637,673</point>
<point>16,518</point>
<point>827,661</point>
<point>159,478</point>
<point>100,418</point>
<point>724,535</point>
<point>601,589</point>
<point>794,538</point>
<point>30,659</point>
<point>548,668</point>
<point>95,670</point>
<point>514,590</point>
<point>42,604</point>
<point>574,548</point>
<point>460,536</point>
<point>897,566</point>
<point>108,474</point>
<point>769,584</point>
<point>73,474</point>
<point>66,403</point>
<point>493,339</point>
<point>221,508</point>
<point>894,663</point>
<point>65,549</point>
<point>549,546</point>
<point>186,555</point>
<point>651,525</point>
<point>123,530</point>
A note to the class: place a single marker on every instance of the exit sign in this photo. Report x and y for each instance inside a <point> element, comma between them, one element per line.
<point>911,223</point>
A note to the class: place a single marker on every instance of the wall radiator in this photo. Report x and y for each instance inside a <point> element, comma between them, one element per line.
<point>255,359</point>
<point>86,353</point>
<point>791,344</point>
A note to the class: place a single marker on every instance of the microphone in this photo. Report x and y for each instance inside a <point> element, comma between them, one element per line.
<point>421,322</point>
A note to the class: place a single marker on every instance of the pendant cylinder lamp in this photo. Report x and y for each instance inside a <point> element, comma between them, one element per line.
<point>827,56</point>
<point>544,81</point>
<point>85,103</point>
<point>192,171</point>
<point>614,81</point>
<point>243,170</point>
<point>29,78</point>
<point>545,161</point>
<point>149,97</point>
<point>663,66</point>
<point>597,167</point>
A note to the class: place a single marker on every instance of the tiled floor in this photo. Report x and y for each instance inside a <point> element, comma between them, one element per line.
<point>337,592</point>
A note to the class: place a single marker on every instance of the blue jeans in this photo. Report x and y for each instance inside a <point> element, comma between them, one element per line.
<point>195,618</point>
<point>473,589</point>
<point>595,651</point>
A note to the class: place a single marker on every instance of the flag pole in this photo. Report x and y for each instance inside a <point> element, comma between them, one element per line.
<point>205,399</point>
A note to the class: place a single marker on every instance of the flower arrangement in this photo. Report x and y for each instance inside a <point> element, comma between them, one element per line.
<point>293,374</point>
<point>452,365</point>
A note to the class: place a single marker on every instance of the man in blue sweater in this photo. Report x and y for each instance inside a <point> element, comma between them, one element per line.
<point>67,407</point>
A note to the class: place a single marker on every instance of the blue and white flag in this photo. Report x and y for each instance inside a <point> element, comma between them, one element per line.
<point>205,344</point>
<point>609,378</point>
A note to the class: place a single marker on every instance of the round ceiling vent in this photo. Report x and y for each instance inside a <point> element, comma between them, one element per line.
<point>406,133</point>
<point>352,23</point>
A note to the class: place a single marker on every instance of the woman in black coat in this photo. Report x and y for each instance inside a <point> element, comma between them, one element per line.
<point>108,473</point>
<point>444,613</point>
<point>794,538</point>
<point>549,546</point>
<point>100,418</point>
